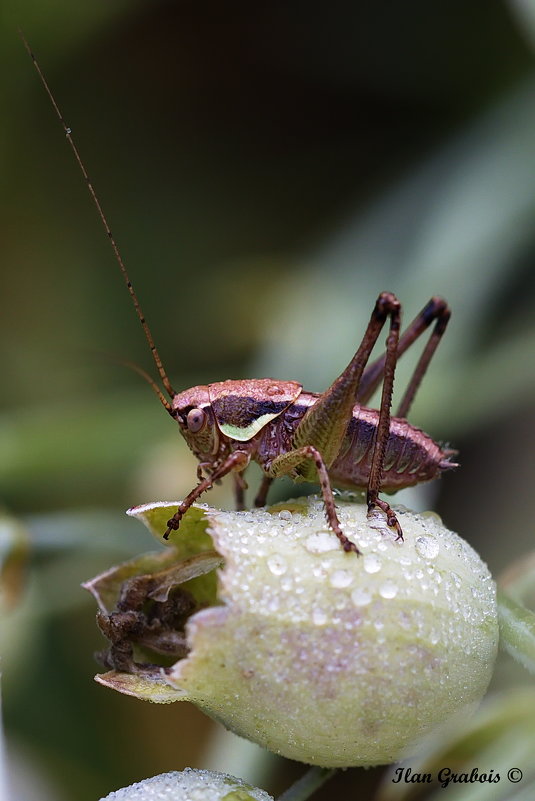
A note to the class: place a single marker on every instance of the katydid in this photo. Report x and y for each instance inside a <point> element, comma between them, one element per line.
<point>330,437</point>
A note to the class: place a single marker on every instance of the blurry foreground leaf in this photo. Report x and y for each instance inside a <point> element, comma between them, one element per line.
<point>518,580</point>
<point>517,631</point>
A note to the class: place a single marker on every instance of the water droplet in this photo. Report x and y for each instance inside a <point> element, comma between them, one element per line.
<point>382,546</point>
<point>341,578</point>
<point>321,542</point>
<point>372,563</point>
<point>360,597</point>
<point>432,517</point>
<point>427,547</point>
<point>277,564</point>
<point>388,589</point>
<point>285,514</point>
<point>319,617</point>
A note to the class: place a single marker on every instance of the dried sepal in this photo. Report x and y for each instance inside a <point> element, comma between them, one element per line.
<point>153,575</point>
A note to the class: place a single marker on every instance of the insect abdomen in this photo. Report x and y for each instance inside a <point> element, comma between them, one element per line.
<point>411,455</point>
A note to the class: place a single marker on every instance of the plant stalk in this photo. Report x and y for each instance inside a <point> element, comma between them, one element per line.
<point>307,784</point>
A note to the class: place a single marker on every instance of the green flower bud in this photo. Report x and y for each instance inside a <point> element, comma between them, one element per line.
<point>189,785</point>
<point>319,655</point>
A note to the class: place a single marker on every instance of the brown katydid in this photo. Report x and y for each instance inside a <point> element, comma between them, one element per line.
<point>331,437</point>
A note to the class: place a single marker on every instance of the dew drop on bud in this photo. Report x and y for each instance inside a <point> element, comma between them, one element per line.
<point>322,542</point>
<point>277,564</point>
<point>388,590</point>
<point>372,563</point>
<point>319,617</point>
<point>340,578</point>
<point>360,597</point>
<point>427,547</point>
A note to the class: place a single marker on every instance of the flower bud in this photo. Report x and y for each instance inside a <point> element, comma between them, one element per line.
<point>319,655</point>
<point>189,785</point>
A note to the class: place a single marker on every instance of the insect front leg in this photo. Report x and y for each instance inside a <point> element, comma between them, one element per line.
<point>238,460</point>
<point>287,462</point>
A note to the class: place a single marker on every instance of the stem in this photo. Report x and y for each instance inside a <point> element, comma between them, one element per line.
<point>307,784</point>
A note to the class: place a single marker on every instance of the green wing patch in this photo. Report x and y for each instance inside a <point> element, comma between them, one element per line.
<point>243,408</point>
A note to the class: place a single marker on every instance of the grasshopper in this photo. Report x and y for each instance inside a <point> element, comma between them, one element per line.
<point>330,437</point>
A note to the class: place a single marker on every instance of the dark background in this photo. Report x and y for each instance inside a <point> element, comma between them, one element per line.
<point>267,170</point>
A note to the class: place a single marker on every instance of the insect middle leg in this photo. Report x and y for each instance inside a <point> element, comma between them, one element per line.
<point>261,495</point>
<point>240,485</point>
<point>283,464</point>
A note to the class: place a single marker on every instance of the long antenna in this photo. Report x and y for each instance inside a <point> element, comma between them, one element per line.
<point>68,134</point>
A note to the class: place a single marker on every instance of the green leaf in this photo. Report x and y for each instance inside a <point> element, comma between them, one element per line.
<point>517,631</point>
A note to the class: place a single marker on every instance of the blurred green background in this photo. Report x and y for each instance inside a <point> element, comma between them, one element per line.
<point>267,170</point>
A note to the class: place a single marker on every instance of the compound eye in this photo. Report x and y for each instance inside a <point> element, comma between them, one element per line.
<point>196,420</point>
